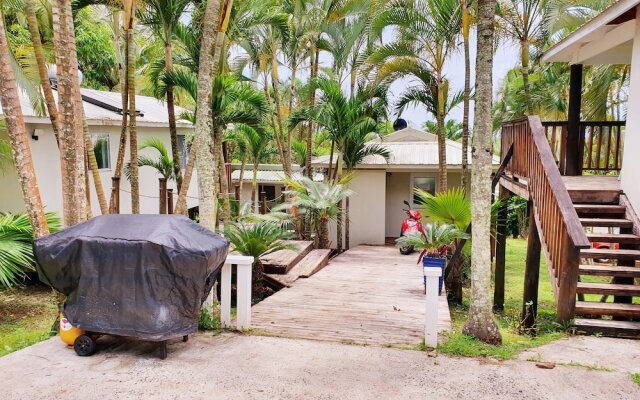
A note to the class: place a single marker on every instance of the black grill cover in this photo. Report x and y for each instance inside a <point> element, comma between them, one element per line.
<point>144,276</point>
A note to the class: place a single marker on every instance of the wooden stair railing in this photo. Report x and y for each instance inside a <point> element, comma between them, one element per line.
<point>558,225</point>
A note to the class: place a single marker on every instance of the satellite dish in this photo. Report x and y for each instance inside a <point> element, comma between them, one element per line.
<point>400,124</point>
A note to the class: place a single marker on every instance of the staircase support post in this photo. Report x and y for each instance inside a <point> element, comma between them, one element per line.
<point>574,143</point>
<point>567,281</point>
<point>531,273</point>
<point>501,247</point>
<point>624,263</point>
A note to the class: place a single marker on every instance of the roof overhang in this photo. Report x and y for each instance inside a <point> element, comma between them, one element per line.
<point>606,39</point>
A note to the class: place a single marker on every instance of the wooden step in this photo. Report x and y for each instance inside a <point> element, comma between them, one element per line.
<point>607,222</point>
<point>616,254</point>
<point>309,265</point>
<point>611,309</point>
<point>281,262</point>
<point>624,329</point>
<point>608,288</point>
<point>600,209</point>
<point>626,238</point>
<point>610,270</point>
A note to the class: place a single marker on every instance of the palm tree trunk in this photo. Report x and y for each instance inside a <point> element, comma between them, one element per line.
<point>204,123</point>
<point>133,130</point>
<point>242,167</point>
<point>323,235</point>
<point>254,188</point>
<point>181,203</point>
<point>122,144</point>
<point>93,165</point>
<point>17,132</point>
<point>50,101</point>
<point>173,132</point>
<point>333,144</point>
<point>274,125</point>
<point>285,136</point>
<point>315,53</point>
<point>222,171</point>
<point>442,140</point>
<point>480,323</point>
<point>524,54</point>
<point>346,226</point>
<point>466,24</point>
<point>70,107</point>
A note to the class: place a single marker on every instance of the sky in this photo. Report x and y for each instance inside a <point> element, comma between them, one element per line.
<point>506,57</point>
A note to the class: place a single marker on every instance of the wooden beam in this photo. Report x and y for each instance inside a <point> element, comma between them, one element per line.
<point>574,144</point>
<point>501,246</point>
<point>531,273</point>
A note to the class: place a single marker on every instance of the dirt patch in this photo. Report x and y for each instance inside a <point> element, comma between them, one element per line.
<point>25,302</point>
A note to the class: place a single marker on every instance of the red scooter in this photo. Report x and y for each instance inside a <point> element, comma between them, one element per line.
<point>411,224</point>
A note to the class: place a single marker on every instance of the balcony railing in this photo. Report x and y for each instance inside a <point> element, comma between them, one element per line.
<point>601,141</point>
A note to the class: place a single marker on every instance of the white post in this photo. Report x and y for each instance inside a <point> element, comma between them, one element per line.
<point>244,294</point>
<point>225,296</point>
<point>432,275</point>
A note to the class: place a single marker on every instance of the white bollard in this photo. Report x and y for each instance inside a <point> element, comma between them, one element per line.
<point>225,296</point>
<point>431,306</point>
<point>243,314</point>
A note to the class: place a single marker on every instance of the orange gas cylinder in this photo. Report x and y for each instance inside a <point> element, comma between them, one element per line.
<point>68,332</point>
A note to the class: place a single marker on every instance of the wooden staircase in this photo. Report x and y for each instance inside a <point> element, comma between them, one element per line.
<point>608,283</point>
<point>568,216</point>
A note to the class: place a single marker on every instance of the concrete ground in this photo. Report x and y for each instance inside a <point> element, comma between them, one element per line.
<point>233,366</point>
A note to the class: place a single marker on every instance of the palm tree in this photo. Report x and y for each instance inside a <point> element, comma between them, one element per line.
<point>453,130</point>
<point>256,143</point>
<point>465,28</point>
<point>523,21</point>
<point>163,17</point>
<point>71,115</point>
<point>16,245</point>
<point>16,130</point>
<point>480,323</point>
<point>319,201</point>
<point>163,164</point>
<point>427,36</point>
<point>257,240</point>
<point>128,20</point>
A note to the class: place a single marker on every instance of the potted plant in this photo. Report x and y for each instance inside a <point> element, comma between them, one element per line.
<point>434,243</point>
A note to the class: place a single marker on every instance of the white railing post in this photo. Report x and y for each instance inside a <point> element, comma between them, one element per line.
<point>432,275</point>
<point>225,296</point>
<point>243,292</point>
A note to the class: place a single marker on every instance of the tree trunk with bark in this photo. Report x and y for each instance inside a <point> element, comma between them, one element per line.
<point>72,149</point>
<point>466,25</point>
<point>524,55</point>
<point>285,134</point>
<point>480,323</point>
<point>204,123</point>
<point>43,73</point>
<point>173,132</point>
<point>315,63</point>
<point>224,182</point>
<point>17,132</point>
<point>122,144</point>
<point>134,178</point>
<point>323,235</point>
<point>442,140</point>
<point>93,165</point>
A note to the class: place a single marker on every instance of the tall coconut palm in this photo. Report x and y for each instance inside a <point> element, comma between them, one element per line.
<point>71,115</point>
<point>523,21</point>
<point>128,23</point>
<point>163,17</point>
<point>480,323</point>
<point>465,29</point>
<point>427,36</point>
<point>17,132</point>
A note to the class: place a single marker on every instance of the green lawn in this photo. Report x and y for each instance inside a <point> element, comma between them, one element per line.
<point>26,316</point>
<point>508,320</point>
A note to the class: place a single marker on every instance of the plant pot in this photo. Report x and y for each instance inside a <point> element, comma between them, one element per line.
<point>440,262</point>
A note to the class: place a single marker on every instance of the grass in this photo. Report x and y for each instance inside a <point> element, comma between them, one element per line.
<point>636,378</point>
<point>26,316</point>
<point>508,319</point>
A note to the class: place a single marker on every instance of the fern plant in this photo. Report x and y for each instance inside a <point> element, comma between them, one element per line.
<point>16,251</point>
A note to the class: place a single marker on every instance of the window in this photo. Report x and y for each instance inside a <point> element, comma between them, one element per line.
<point>101,149</point>
<point>428,184</point>
<point>269,191</point>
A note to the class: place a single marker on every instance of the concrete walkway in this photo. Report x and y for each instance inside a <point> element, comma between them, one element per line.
<point>235,366</point>
<point>368,295</point>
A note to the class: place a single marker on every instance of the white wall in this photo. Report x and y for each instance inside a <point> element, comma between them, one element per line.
<point>47,165</point>
<point>368,208</point>
<point>630,174</point>
<point>398,188</point>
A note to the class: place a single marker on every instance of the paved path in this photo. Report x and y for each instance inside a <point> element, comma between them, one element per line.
<point>367,295</point>
<point>238,367</point>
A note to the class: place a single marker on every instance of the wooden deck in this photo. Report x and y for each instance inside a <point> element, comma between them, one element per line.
<point>367,295</point>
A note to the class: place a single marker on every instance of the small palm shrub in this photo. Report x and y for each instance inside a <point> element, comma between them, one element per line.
<point>436,241</point>
<point>16,251</point>
<point>257,240</point>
